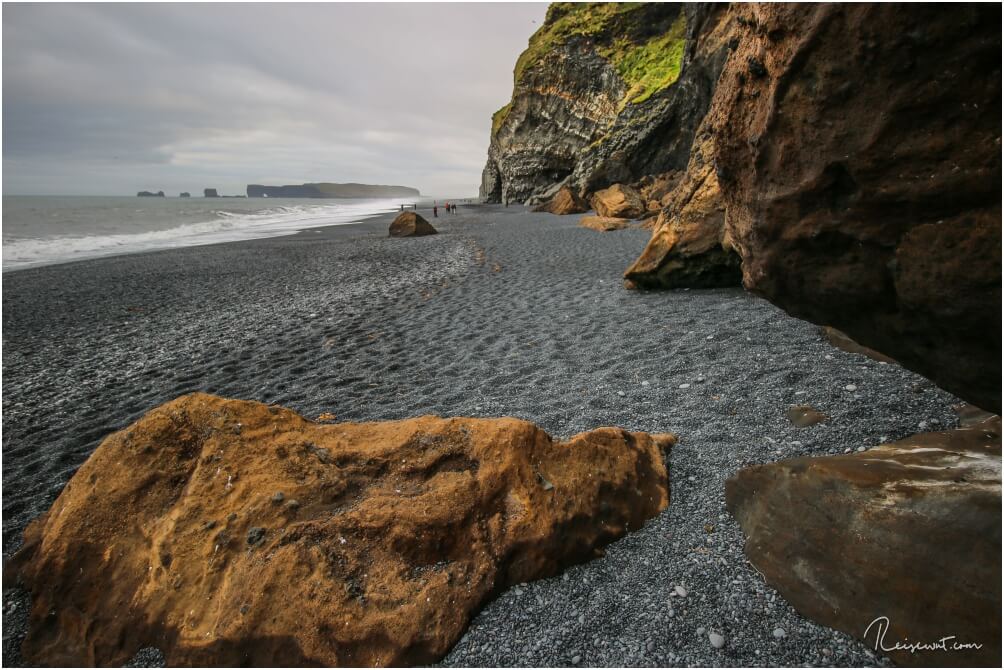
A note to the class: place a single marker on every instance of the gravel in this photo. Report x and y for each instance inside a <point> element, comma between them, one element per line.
<point>505,313</point>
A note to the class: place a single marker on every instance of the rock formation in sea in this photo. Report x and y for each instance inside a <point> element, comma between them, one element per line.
<point>150,194</point>
<point>210,193</point>
<point>410,224</point>
<point>908,531</point>
<point>604,93</point>
<point>184,194</point>
<point>229,533</point>
<point>328,190</point>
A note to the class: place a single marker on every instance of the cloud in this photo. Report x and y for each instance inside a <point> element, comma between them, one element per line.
<point>114,98</point>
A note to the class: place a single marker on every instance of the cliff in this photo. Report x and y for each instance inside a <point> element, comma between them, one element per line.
<point>604,93</point>
<point>327,190</point>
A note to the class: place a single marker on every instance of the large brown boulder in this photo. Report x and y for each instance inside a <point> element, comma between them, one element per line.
<point>618,201</point>
<point>565,201</point>
<point>230,533</point>
<point>410,224</point>
<point>689,247</point>
<point>858,150</point>
<point>909,531</point>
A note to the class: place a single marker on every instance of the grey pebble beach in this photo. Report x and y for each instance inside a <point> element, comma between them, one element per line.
<point>504,313</point>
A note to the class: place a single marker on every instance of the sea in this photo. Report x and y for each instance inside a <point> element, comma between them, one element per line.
<point>45,230</point>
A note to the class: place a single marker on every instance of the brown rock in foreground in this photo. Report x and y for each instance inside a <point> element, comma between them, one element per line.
<point>872,202</point>
<point>565,201</point>
<point>618,201</point>
<point>689,248</point>
<point>910,531</point>
<point>234,533</point>
<point>410,224</point>
<point>604,224</point>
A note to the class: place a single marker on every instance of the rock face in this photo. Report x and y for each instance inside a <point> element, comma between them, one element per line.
<point>234,533</point>
<point>604,224</point>
<point>872,204</point>
<point>410,224</point>
<point>328,190</point>
<point>689,246</point>
<point>618,201</point>
<point>910,531</point>
<point>565,201</point>
<point>604,93</point>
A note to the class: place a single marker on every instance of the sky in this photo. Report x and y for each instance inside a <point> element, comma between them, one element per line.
<point>112,99</point>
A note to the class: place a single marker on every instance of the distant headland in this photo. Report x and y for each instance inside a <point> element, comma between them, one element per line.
<point>327,190</point>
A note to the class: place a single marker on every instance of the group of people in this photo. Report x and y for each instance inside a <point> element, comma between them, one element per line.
<point>447,207</point>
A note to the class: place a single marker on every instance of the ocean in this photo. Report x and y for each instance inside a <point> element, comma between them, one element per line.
<point>45,230</point>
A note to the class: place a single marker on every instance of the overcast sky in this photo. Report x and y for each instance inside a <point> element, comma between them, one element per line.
<point>112,99</point>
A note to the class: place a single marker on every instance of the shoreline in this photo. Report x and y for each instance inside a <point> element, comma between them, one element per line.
<point>505,313</point>
<point>315,227</point>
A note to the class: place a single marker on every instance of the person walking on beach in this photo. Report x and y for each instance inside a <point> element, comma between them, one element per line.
<point>435,211</point>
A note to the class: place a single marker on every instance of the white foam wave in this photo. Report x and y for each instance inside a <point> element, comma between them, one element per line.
<point>227,227</point>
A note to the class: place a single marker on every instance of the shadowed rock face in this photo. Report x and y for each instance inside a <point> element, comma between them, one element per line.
<point>872,203</point>
<point>233,533</point>
<point>910,531</point>
<point>689,246</point>
<point>575,118</point>
<point>410,224</point>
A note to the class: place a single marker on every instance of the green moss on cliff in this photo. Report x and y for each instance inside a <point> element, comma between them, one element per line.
<point>652,66</point>
<point>568,19</point>
<point>499,117</point>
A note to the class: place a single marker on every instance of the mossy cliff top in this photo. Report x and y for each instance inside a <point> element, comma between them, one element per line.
<point>643,41</point>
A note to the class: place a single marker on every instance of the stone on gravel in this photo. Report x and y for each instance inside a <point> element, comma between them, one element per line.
<point>717,641</point>
<point>565,201</point>
<point>779,633</point>
<point>618,201</point>
<point>805,415</point>
<point>604,224</point>
<point>401,537</point>
<point>410,224</point>
<point>909,530</point>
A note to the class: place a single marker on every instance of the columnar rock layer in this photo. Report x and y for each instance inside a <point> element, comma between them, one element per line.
<point>235,533</point>
<point>605,93</point>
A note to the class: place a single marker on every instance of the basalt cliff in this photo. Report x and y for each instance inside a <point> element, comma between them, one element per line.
<point>842,161</point>
<point>604,93</point>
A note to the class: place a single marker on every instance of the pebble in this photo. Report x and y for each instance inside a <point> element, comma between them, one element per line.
<point>701,630</point>
<point>255,535</point>
<point>680,591</point>
<point>779,633</point>
<point>684,386</point>
<point>278,497</point>
<point>861,448</point>
<point>717,641</point>
<point>620,393</point>
<point>850,387</point>
<point>645,383</point>
<point>576,660</point>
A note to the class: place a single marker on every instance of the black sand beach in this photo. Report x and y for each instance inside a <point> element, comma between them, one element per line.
<point>505,313</point>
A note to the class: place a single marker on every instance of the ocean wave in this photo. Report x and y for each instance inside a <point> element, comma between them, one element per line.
<point>228,226</point>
